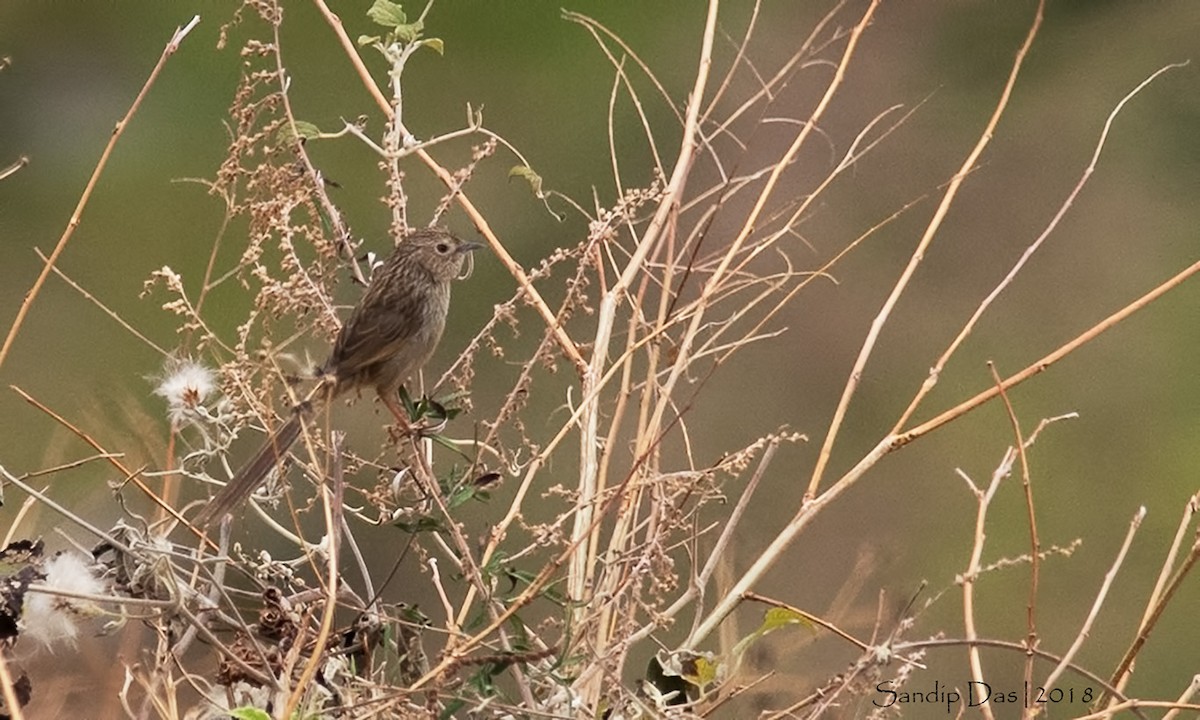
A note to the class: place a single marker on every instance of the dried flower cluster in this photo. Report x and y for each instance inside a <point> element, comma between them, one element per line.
<point>554,541</point>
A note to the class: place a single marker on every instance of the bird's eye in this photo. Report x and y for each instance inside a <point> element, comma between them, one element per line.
<point>442,248</point>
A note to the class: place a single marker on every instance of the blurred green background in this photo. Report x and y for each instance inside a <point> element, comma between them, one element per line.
<point>544,86</point>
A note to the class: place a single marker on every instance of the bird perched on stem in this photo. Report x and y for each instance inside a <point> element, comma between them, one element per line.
<point>391,333</point>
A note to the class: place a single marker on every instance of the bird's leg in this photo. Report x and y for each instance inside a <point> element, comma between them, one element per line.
<point>389,401</point>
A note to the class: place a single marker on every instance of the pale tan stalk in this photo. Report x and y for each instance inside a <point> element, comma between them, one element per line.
<point>936,370</point>
<point>1086,629</point>
<point>77,215</point>
<point>983,499</point>
<point>589,435</point>
<point>917,257</point>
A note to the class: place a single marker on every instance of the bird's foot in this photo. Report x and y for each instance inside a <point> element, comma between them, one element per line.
<point>417,430</point>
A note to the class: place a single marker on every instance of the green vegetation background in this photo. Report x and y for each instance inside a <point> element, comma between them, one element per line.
<point>544,86</point>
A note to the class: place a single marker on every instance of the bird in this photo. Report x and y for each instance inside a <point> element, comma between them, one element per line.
<point>389,336</point>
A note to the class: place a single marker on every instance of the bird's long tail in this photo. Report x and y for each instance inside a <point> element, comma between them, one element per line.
<point>252,474</point>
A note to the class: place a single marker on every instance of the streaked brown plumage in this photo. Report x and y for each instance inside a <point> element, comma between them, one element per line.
<point>392,332</point>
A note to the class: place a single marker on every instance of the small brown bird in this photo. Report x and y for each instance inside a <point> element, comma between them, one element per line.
<point>391,333</point>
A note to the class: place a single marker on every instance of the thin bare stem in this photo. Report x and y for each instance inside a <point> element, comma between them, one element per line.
<point>917,257</point>
<point>1044,364</point>
<point>13,167</point>
<point>616,294</point>
<point>1035,551</point>
<point>1184,698</point>
<point>893,442</point>
<point>1124,671</point>
<point>814,619</point>
<point>936,370</point>
<point>984,500</point>
<point>560,335</point>
<point>12,705</point>
<point>103,308</point>
<point>1086,629</point>
<point>73,223</point>
<point>329,611</point>
<point>1148,625</point>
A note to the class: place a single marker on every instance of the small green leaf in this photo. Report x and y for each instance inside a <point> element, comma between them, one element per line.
<point>534,180</point>
<point>434,409</point>
<point>364,40</point>
<point>304,130</point>
<point>422,524</point>
<point>249,713</point>
<point>482,681</point>
<point>518,578</point>
<point>406,400</point>
<point>412,614</point>
<point>700,671</point>
<point>452,707</point>
<point>409,33</point>
<point>496,564</point>
<point>778,617</point>
<point>387,14</point>
<point>444,442</point>
<point>436,44</point>
<point>460,497</point>
<point>773,619</point>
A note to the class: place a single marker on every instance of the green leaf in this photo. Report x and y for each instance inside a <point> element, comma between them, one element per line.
<point>518,578</point>
<point>482,681</point>
<point>436,44</point>
<point>304,130</point>
<point>521,579</point>
<point>700,671</point>
<point>496,564</point>
<point>364,40</point>
<point>424,523</point>
<point>534,180</point>
<point>249,713</point>
<point>520,639</point>
<point>409,33</point>
<point>778,617</point>
<point>434,410</point>
<point>773,619</point>
<point>406,400</point>
<point>460,497</point>
<point>387,14</point>
<point>452,707</point>
<point>451,446</point>
<point>412,614</point>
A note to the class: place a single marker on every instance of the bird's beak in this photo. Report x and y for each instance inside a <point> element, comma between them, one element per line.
<point>468,246</point>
